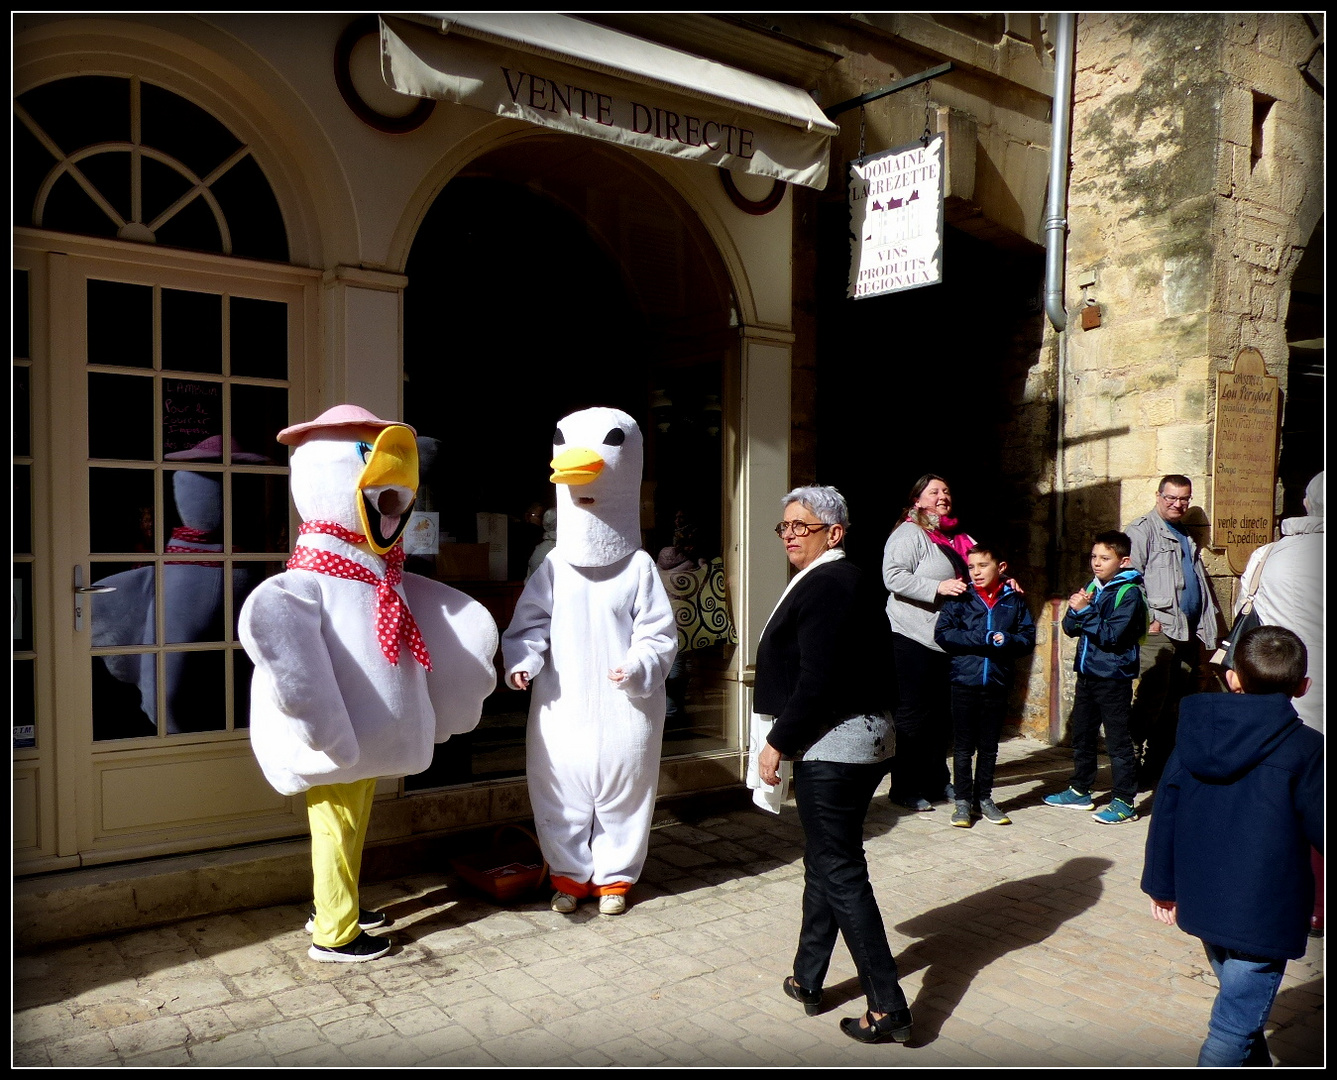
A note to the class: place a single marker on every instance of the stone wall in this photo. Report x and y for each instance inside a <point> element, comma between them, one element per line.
<point>1195,186</point>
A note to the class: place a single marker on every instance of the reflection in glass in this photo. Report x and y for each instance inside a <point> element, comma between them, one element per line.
<point>123,687</point>
<point>120,510</point>
<point>242,669</point>
<point>126,616</point>
<point>120,417</point>
<point>24,704</point>
<point>20,317</point>
<point>259,345</point>
<point>21,534</point>
<point>192,331</point>
<point>21,436</point>
<point>195,692</point>
<point>259,512</point>
<point>192,414</point>
<point>259,413</point>
<point>120,323</point>
<point>22,606</point>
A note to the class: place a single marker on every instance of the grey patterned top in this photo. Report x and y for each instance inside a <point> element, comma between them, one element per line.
<point>860,740</point>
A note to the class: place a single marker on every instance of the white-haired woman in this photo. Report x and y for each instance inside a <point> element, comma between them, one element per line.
<point>820,676</point>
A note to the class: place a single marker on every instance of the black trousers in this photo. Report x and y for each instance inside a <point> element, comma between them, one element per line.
<point>1104,702</point>
<point>923,722</point>
<point>833,800</point>
<point>977,718</point>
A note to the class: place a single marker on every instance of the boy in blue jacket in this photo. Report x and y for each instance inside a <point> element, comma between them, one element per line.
<point>983,630</point>
<point>1238,808</point>
<point>1109,617</point>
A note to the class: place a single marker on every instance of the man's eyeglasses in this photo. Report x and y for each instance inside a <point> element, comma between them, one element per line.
<point>1182,500</point>
<point>799,528</point>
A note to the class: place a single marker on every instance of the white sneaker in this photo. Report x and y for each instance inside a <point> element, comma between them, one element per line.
<point>612,904</point>
<point>563,903</point>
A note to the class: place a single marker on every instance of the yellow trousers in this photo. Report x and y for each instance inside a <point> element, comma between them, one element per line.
<point>338,815</point>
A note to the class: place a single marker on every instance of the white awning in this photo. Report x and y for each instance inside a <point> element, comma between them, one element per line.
<point>563,73</point>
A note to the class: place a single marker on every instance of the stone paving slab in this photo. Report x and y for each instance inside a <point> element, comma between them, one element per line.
<point>1025,945</point>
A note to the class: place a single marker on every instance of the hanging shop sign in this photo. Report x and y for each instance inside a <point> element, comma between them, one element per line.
<point>896,219</point>
<point>565,74</point>
<point>1245,456</point>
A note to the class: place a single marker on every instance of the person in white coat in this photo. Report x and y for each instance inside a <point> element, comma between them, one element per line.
<point>593,637</point>
<point>1290,591</point>
<point>359,668</point>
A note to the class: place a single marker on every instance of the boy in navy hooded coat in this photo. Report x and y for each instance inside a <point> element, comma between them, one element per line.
<point>1238,807</point>
<point>1109,619</point>
<point>983,630</point>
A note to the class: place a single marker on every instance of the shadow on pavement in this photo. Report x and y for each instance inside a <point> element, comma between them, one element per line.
<point>961,939</point>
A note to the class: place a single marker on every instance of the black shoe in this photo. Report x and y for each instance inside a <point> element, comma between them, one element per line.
<point>894,1027</point>
<point>363,947</point>
<point>811,1000</point>
<point>366,920</point>
<point>919,806</point>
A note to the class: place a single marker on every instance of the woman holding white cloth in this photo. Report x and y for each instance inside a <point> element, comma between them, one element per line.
<point>821,674</point>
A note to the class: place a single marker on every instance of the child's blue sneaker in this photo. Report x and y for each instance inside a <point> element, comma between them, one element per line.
<point>1116,813</point>
<point>1072,798</point>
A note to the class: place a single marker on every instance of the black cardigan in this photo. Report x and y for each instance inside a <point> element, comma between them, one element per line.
<point>826,655</point>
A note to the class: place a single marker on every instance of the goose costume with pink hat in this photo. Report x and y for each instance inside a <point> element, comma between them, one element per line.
<point>359,668</point>
<point>593,631</point>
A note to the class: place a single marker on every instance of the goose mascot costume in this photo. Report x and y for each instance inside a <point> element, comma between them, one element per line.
<point>593,631</point>
<point>359,667</point>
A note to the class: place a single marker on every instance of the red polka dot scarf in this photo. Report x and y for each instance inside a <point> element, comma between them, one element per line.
<point>394,621</point>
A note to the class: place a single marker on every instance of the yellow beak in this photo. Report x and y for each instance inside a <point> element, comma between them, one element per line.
<point>388,486</point>
<point>575,466</point>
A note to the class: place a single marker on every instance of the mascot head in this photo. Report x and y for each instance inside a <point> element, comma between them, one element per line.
<point>596,464</point>
<point>351,467</point>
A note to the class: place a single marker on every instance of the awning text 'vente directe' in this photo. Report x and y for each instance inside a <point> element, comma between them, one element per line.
<point>569,75</point>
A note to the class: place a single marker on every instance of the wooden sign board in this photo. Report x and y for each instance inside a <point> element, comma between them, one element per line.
<point>1244,491</point>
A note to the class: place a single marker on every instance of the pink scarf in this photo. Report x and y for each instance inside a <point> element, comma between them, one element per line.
<point>960,542</point>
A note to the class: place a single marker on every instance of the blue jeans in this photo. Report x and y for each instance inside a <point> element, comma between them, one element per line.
<point>833,800</point>
<point>1249,985</point>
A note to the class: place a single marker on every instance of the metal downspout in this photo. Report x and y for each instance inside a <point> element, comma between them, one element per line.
<point>1055,228</point>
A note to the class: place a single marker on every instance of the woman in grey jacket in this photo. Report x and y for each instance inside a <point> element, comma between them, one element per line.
<point>923,564</point>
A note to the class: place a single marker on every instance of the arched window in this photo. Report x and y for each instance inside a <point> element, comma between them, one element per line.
<point>115,156</point>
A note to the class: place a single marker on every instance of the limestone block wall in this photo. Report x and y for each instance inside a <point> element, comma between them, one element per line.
<point>1196,183</point>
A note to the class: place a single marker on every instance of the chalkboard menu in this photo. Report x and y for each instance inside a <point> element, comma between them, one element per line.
<point>1244,491</point>
<point>191,412</point>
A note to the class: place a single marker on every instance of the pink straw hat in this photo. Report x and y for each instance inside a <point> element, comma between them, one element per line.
<point>337,417</point>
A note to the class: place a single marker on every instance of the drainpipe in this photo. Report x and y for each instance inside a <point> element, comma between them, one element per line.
<point>1056,223</point>
<point>1055,229</point>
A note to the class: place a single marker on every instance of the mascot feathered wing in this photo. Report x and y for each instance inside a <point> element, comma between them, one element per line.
<point>594,632</point>
<point>359,667</point>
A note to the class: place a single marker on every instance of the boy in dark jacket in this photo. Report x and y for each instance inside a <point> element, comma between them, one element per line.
<point>1237,810</point>
<point>983,630</point>
<point>1109,617</point>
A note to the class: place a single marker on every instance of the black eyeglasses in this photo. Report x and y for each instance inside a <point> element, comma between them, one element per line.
<point>1181,500</point>
<point>799,528</point>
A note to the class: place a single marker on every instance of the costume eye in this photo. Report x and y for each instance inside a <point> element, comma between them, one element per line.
<point>363,451</point>
<point>558,439</point>
<point>615,437</point>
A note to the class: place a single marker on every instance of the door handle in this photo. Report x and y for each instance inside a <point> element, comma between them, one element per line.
<point>80,590</point>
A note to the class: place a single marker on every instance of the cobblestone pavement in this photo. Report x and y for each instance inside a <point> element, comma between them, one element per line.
<point>1023,945</point>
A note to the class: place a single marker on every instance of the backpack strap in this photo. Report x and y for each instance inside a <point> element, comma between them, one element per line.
<point>1118,597</point>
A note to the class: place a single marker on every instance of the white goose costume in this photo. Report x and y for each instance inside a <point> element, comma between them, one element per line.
<point>595,608</point>
<point>359,668</point>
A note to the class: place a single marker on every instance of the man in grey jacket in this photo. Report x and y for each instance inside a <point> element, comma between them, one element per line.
<point>1184,619</point>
